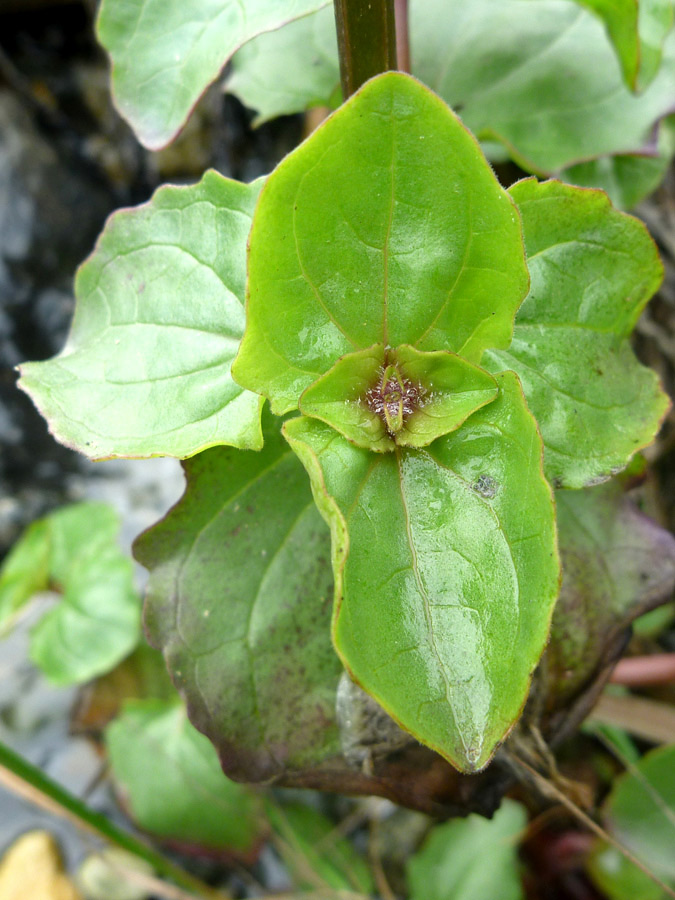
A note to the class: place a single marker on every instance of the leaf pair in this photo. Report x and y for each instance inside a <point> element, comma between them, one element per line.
<point>383,242</point>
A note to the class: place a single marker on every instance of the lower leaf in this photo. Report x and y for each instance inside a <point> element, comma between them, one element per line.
<point>446,571</point>
<point>239,603</point>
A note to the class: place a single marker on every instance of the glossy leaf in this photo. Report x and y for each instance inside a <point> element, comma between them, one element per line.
<point>289,70</point>
<point>541,77</point>
<point>96,622</point>
<point>239,602</point>
<point>592,271</point>
<point>159,317</point>
<point>446,571</point>
<point>616,564</point>
<point>172,781</point>
<point>381,398</point>
<point>418,245</point>
<point>637,28</point>
<point>165,54</point>
<point>470,858</point>
<point>317,857</point>
<point>470,52</point>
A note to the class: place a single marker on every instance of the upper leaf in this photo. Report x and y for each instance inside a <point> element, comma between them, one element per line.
<point>637,28</point>
<point>165,54</point>
<point>242,564</point>
<point>446,571</point>
<point>264,79</point>
<point>592,270</point>
<point>159,316</point>
<point>541,77</point>
<point>173,783</point>
<point>96,622</point>
<point>496,61</point>
<point>386,226</point>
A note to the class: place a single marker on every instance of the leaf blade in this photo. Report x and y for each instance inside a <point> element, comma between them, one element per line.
<point>146,368</point>
<point>164,56</point>
<point>432,574</point>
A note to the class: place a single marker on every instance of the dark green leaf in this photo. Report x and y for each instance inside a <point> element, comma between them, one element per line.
<point>172,781</point>
<point>592,270</point>
<point>385,226</point>
<point>165,55</point>
<point>239,602</point>
<point>96,622</point>
<point>146,369</point>
<point>616,563</point>
<point>470,859</point>
<point>446,571</point>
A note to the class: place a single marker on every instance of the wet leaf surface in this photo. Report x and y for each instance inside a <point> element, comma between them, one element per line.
<point>459,602</point>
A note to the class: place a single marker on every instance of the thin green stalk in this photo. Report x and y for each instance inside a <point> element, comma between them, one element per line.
<point>366,33</point>
<point>23,778</point>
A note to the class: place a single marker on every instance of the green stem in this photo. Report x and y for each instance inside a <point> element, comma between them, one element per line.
<point>366,40</point>
<point>23,778</point>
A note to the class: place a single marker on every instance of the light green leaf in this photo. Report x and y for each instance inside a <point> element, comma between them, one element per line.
<point>289,70</point>
<point>446,571</point>
<point>541,77</point>
<point>96,623</point>
<point>640,812</point>
<point>470,859</point>
<point>159,317</point>
<point>317,857</point>
<point>618,878</point>
<point>172,782</point>
<point>380,398</point>
<point>242,562</point>
<point>165,53</point>
<point>386,226</point>
<point>637,28</point>
<point>592,270</point>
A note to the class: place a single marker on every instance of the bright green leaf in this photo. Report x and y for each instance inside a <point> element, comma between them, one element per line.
<point>242,563</point>
<point>592,270</point>
<point>541,77</point>
<point>165,53</point>
<point>385,226</point>
<point>471,859</point>
<point>289,70</point>
<point>316,855</point>
<point>446,571</point>
<point>172,781</point>
<point>96,622</point>
<point>159,317</point>
<point>616,564</point>
<point>381,398</point>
